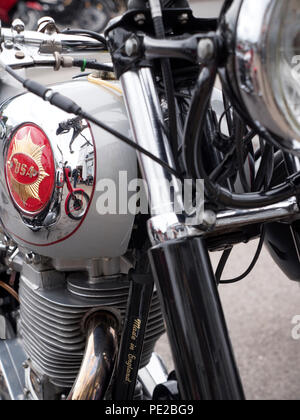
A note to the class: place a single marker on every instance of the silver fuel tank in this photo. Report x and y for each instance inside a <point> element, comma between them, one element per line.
<point>54,171</point>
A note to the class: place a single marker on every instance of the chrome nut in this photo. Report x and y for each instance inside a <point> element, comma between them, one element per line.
<point>18,26</point>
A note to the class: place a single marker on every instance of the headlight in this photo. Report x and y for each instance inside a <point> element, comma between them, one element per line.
<point>264,38</point>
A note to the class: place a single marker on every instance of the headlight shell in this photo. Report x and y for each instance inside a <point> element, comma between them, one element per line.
<point>264,67</point>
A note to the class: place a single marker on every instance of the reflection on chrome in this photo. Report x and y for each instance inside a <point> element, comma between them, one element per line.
<point>77,200</point>
<point>78,126</point>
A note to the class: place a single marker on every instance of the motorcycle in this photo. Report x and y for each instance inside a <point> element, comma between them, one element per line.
<point>93,15</point>
<point>83,302</point>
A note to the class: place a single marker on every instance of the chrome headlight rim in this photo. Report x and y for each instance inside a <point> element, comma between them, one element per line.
<point>248,69</point>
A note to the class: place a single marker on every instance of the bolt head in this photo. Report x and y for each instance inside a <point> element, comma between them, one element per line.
<point>206,49</point>
<point>20,55</point>
<point>140,19</point>
<point>32,258</point>
<point>209,218</point>
<point>9,45</point>
<point>183,18</point>
<point>131,47</point>
<point>18,26</point>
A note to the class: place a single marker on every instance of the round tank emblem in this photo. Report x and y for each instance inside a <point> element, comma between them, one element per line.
<point>30,170</point>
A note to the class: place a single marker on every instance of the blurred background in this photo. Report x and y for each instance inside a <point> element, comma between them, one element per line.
<point>87,14</point>
<point>260,309</point>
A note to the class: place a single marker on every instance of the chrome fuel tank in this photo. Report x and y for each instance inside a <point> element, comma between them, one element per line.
<point>40,147</point>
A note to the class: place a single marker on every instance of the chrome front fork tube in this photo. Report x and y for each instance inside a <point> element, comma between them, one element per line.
<point>147,126</point>
<point>181,265</point>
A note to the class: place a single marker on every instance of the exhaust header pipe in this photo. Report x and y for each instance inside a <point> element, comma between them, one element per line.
<point>102,326</point>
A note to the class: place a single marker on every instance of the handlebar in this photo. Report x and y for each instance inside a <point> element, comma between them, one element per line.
<point>37,39</point>
<point>21,49</point>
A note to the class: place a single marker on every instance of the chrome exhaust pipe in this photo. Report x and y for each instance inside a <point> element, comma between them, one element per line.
<point>98,363</point>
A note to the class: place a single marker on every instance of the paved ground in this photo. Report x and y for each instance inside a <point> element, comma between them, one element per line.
<point>259,311</point>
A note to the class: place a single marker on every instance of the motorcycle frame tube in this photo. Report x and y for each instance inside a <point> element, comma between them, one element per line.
<point>200,343</point>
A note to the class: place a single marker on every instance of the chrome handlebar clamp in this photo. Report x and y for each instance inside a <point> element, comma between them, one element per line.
<point>21,48</point>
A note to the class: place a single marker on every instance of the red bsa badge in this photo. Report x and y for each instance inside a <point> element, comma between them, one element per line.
<point>30,169</point>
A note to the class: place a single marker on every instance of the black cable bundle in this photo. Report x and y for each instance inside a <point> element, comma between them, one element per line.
<point>85,32</point>
<point>166,69</point>
<point>194,159</point>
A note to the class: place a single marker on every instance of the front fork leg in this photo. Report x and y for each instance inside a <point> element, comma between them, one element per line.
<point>195,322</point>
<point>200,343</point>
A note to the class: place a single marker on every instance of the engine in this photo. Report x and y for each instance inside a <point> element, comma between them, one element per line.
<point>53,306</point>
